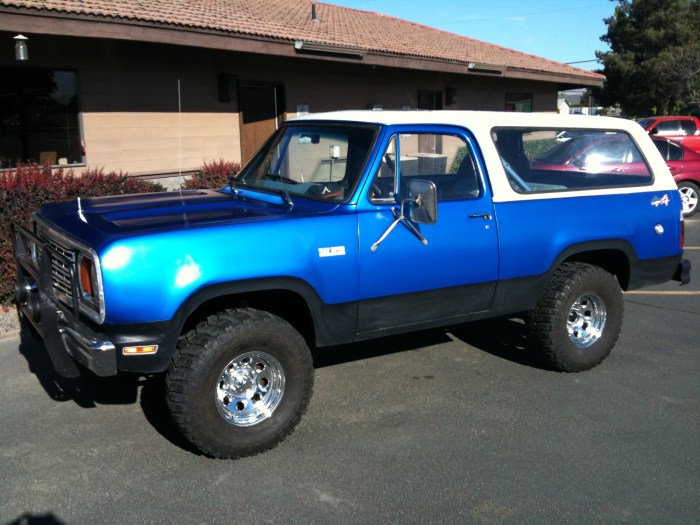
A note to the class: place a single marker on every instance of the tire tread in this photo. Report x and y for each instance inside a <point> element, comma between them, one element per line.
<point>199,348</point>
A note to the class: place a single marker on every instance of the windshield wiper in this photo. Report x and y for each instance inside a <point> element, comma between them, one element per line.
<point>285,195</point>
<point>284,181</point>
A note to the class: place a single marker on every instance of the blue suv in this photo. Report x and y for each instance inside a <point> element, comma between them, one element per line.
<point>344,227</point>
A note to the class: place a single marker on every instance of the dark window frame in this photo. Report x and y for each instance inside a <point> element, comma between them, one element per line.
<point>40,118</point>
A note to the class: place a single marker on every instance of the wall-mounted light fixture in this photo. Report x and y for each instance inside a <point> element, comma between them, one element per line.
<point>473,67</point>
<point>326,49</point>
<point>21,49</point>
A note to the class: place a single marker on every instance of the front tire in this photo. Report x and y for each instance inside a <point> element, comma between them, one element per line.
<point>578,319</point>
<point>239,383</point>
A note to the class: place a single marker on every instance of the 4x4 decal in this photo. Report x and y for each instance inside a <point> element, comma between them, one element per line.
<point>656,201</point>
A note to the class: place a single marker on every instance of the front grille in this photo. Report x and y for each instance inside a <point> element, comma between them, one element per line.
<point>64,254</point>
<point>62,260</point>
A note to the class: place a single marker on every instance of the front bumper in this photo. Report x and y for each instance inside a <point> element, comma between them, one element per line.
<point>68,342</point>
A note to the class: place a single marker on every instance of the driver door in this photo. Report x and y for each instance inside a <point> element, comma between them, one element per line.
<point>403,282</point>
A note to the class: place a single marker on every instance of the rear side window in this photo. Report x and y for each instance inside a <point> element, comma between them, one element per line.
<point>668,149</point>
<point>544,160</point>
<point>688,127</point>
<point>667,127</point>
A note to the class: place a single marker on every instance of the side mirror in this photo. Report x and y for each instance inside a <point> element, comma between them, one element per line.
<point>422,203</point>
<point>423,197</point>
<point>653,131</point>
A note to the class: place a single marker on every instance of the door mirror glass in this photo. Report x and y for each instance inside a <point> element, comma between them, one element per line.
<point>423,197</point>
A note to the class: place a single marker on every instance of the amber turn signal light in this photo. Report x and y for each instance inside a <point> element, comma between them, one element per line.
<point>139,350</point>
<point>86,277</point>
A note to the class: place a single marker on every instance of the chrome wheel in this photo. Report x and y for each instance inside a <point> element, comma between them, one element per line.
<point>250,388</point>
<point>689,197</point>
<point>586,320</point>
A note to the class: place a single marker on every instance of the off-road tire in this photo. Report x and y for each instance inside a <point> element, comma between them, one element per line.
<point>197,379</point>
<point>578,319</point>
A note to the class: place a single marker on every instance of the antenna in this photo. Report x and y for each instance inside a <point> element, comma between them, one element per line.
<point>179,122</point>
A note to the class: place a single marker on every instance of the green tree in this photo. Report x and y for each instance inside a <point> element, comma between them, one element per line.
<point>653,66</point>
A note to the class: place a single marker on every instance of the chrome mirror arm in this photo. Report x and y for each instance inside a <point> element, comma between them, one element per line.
<point>400,216</point>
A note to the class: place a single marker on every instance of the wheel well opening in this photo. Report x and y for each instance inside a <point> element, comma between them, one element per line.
<point>613,261</point>
<point>285,304</point>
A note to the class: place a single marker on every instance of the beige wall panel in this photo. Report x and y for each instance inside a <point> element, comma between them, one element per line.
<point>158,142</point>
<point>130,95</point>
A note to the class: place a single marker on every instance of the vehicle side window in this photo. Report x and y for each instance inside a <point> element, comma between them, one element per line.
<point>383,187</point>
<point>675,152</point>
<point>446,160</point>
<point>689,127</point>
<point>667,127</point>
<point>544,160</point>
<point>663,147</point>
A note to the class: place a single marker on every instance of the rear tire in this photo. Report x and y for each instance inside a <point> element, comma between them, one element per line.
<point>239,383</point>
<point>578,319</point>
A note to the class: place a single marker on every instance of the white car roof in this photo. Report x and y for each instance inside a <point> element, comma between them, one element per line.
<point>481,123</point>
<point>473,119</point>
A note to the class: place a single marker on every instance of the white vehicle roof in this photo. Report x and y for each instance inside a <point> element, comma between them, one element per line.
<point>473,119</point>
<point>481,123</point>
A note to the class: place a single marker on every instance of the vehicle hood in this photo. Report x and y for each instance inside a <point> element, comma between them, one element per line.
<point>99,220</point>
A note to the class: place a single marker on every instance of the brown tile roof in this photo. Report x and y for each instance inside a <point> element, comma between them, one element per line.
<point>290,20</point>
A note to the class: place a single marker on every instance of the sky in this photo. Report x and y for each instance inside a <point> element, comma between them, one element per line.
<point>562,30</point>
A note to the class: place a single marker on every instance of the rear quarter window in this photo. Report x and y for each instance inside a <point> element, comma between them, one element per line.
<point>688,127</point>
<point>540,160</point>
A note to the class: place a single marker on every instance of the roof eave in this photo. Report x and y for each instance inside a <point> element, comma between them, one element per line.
<point>34,21</point>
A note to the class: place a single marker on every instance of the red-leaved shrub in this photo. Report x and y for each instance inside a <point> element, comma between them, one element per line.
<point>213,175</point>
<point>25,188</point>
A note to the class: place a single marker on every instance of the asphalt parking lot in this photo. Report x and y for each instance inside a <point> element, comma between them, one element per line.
<point>443,426</point>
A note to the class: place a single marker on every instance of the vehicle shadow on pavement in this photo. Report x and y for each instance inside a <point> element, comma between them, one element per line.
<point>90,391</point>
<point>388,345</point>
<point>500,337</point>
<point>87,391</point>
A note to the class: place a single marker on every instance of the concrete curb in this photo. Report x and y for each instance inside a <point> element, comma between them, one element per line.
<point>9,323</point>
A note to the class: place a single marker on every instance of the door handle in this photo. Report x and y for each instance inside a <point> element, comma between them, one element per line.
<point>485,216</point>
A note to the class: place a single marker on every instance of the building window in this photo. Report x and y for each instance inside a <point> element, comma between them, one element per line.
<point>520,102</point>
<point>39,117</point>
<point>429,99</point>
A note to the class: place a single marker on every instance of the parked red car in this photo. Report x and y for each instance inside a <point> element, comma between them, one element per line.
<point>615,153</point>
<point>685,130</point>
<point>684,164</point>
<point>593,153</point>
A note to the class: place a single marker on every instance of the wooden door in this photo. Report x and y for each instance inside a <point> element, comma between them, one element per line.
<point>431,100</point>
<point>262,111</point>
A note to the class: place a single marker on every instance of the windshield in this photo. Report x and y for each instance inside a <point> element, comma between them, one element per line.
<point>313,161</point>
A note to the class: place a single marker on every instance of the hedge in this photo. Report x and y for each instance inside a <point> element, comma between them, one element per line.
<point>25,188</point>
<point>215,174</point>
